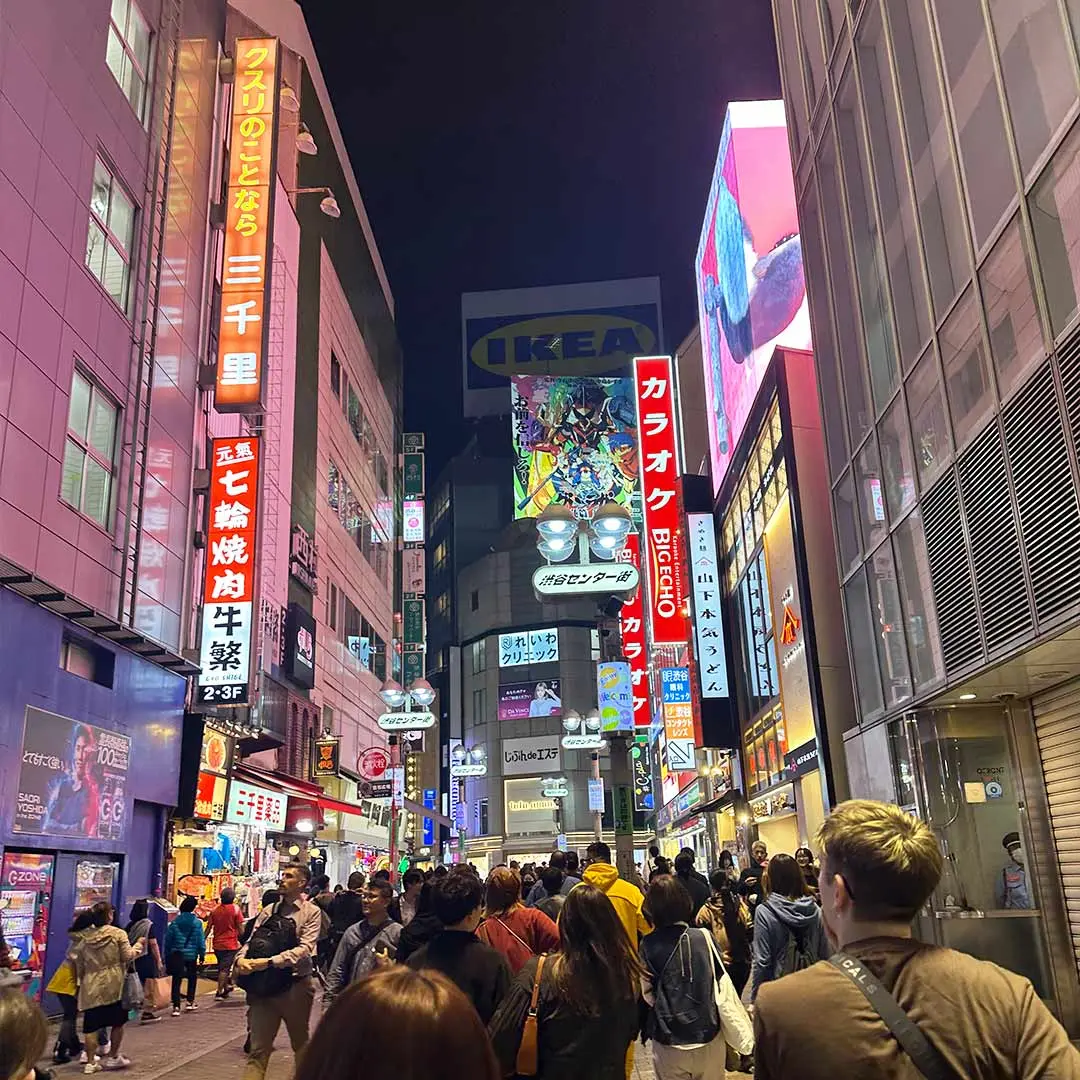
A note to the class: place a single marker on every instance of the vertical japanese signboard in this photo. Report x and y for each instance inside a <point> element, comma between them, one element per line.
<point>632,628</point>
<point>660,479</point>
<point>245,281</point>
<point>413,616</point>
<point>678,718</point>
<point>231,558</point>
<point>708,619</point>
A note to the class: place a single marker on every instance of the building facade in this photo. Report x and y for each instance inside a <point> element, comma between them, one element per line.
<point>936,155</point>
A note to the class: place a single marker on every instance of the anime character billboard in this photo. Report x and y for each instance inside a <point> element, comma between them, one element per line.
<point>576,444</point>
<point>749,270</point>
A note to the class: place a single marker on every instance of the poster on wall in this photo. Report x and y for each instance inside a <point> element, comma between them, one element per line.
<point>749,270</point>
<point>575,444</point>
<point>518,701</point>
<point>72,779</point>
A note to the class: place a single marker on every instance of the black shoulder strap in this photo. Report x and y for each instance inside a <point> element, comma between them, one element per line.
<point>915,1044</point>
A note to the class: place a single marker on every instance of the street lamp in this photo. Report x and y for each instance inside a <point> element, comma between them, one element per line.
<point>610,526</point>
<point>329,205</point>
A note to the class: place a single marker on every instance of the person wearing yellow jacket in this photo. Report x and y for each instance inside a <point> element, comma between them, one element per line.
<point>627,900</point>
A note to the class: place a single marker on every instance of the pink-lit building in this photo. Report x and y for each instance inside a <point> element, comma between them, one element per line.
<point>115,157</point>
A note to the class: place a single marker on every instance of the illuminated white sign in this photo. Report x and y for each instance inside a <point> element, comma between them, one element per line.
<point>581,579</point>
<point>413,521</point>
<point>406,721</point>
<point>708,618</point>
<point>528,647</point>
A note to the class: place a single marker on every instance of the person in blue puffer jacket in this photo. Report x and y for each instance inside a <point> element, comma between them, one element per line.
<point>789,933</point>
<point>185,951</point>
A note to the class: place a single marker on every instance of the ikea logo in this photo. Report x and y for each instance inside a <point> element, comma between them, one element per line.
<point>563,345</point>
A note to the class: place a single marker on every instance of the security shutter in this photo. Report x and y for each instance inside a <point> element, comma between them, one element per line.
<point>1057,728</point>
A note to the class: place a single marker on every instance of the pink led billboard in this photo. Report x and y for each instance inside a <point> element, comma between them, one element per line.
<point>749,269</point>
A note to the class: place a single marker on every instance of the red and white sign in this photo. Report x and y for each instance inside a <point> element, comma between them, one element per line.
<point>210,797</point>
<point>632,628</point>
<point>231,558</point>
<point>245,285</point>
<point>661,471</point>
<point>373,763</point>
<point>250,804</point>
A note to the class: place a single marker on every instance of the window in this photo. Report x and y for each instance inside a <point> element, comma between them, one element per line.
<point>86,481</point>
<point>474,600</point>
<point>866,243</point>
<point>335,376</point>
<point>1040,85</point>
<point>845,305</point>
<point>894,200</point>
<point>871,494</point>
<point>898,467</point>
<point>929,429</point>
<point>980,123</point>
<point>479,656</point>
<point>332,606</point>
<point>111,234</point>
<point>442,505</point>
<point>967,377</point>
<point>1055,220</point>
<point>917,599</point>
<point>937,193</point>
<point>1016,342</point>
<point>861,636</point>
<point>128,52</point>
<point>355,415</point>
<point>479,706</point>
<point>885,601</point>
<point>482,820</point>
<point>594,645</point>
<point>442,605</point>
<point>794,92</point>
<point>847,524</point>
<point>88,661</point>
<point>439,558</point>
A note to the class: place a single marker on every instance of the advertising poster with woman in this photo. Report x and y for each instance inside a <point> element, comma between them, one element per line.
<point>72,779</point>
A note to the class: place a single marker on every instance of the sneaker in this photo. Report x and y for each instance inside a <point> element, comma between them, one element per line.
<point>118,1062</point>
<point>90,1068</point>
<point>149,1018</point>
<point>191,1007</point>
<point>176,1010</point>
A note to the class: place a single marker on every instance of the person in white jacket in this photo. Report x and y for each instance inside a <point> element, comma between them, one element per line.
<point>695,1012</point>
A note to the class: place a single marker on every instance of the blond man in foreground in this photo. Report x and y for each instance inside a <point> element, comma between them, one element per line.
<point>879,865</point>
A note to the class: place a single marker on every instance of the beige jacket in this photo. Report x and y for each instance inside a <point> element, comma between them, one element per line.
<point>101,960</point>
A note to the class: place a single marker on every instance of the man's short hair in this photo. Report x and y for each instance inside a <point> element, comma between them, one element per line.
<point>383,888</point>
<point>552,878</point>
<point>558,859</point>
<point>356,881</point>
<point>412,877</point>
<point>890,861</point>
<point>455,897</point>
<point>301,868</point>
<point>684,864</point>
<point>598,851</point>
<point>381,875</point>
<point>668,902</point>
<point>571,862</point>
<point>688,851</point>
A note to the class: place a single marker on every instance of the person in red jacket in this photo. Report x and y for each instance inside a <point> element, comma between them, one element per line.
<point>518,932</point>
<point>227,923</point>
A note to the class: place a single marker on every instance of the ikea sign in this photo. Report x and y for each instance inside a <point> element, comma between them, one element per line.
<point>590,329</point>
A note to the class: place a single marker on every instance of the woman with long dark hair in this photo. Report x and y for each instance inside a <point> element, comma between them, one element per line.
<point>789,933</point>
<point>726,916</point>
<point>587,1011</point>
<point>421,1019</point>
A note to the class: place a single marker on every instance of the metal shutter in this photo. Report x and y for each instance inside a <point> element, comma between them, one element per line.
<point>1057,728</point>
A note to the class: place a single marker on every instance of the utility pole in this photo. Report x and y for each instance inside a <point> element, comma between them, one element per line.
<point>598,815</point>
<point>622,804</point>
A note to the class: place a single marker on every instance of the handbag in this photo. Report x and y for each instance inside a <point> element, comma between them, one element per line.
<point>132,997</point>
<point>915,1044</point>
<point>528,1055</point>
<point>157,993</point>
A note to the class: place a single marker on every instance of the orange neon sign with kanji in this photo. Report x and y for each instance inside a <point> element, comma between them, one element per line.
<point>245,275</point>
<point>789,633</point>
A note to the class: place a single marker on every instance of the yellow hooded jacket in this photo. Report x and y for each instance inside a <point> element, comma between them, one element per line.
<point>626,898</point>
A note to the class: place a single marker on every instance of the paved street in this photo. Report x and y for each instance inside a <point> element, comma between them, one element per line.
<point>209,1044</point>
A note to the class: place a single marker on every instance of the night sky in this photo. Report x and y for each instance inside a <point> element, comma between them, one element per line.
<point>500,144</point>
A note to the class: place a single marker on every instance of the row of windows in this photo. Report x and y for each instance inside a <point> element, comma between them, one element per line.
<point>348,624</point>
<point>360,426</point>
<point>372,534</point>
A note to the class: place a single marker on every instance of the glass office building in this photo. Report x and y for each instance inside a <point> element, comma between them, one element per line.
<point>937,157</point>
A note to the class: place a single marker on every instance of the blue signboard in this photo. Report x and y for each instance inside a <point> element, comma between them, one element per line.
<point>675,685</point>
<point>428,835</point>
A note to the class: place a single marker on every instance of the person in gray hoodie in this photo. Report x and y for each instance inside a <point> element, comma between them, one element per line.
<point>789,933</point>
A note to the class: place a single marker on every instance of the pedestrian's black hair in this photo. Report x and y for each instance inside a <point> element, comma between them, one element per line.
<point>189,903</point>
<point>598,851</point>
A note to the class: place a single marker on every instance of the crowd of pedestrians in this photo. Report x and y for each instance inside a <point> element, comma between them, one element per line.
<point>786,967</point>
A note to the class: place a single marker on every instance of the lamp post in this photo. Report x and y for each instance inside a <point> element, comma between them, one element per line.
<point>400,701</point>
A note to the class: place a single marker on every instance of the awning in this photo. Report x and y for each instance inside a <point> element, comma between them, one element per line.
<point>287,785</point>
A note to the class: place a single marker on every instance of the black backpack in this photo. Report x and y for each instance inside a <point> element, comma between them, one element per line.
<point>276,935</point>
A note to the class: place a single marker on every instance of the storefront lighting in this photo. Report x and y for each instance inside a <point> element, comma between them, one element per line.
<point>305,143</point>
<point>294,849</point>
<point>288,100</point>
<point>969,696</point>
<point>329,205</point>
<point>305,825</point>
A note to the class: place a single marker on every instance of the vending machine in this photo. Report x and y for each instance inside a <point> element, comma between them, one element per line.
<point>26,887</point>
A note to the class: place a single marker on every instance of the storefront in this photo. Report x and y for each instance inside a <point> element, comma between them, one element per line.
<point>79,822</point>
<point>785,625</point>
